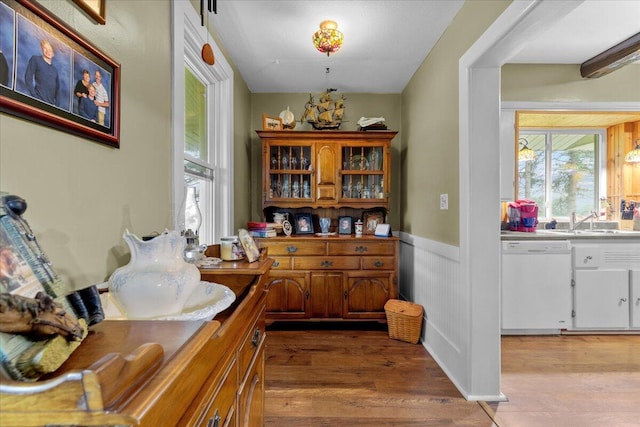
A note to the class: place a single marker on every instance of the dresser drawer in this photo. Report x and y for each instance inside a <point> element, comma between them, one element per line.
<point>378,263</point>
<point>361,248</point>
<point>295,248</point>
<point>251,342</point>
<point>281,263</point>
<point>222,405</point>
<point>326,263</point>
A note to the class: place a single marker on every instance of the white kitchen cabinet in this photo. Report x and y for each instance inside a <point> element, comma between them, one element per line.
<point>606,286</point>
<point>635,298</point>
<point>601,299</point>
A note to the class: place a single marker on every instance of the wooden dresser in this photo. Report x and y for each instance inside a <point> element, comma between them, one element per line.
<point>159,373</point>
<point>331,278</point>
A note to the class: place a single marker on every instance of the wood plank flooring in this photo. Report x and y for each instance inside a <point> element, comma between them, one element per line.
<point>354,376</point>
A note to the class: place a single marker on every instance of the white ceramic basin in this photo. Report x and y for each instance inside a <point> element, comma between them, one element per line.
<point>204,303</point>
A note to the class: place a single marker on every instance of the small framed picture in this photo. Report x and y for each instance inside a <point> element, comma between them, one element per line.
<point>304,224</point>
<point>371,219</point>
<point>271,123</point>
<point>344,225</point>
<point>249,245</point>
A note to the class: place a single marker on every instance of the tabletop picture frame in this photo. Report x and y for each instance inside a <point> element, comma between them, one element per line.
<point>371,219</point>
<point>37,37</point>
<point>345,225</point>
<point>271,123</point>
<point>304,224</point>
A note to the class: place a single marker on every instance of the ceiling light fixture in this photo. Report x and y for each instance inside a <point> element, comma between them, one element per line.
<point>525,154</point>
<point>328,39</point>
<point>613,58</point>
<point>633,156</point>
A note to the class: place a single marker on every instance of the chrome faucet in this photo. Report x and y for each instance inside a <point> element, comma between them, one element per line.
<point>573,224</point>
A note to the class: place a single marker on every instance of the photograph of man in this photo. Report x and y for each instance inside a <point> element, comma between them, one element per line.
<point>344,227</point>
<point>41,75</point>
<point>43,69</point>
<point>88,106</point>
<point>102,98</point>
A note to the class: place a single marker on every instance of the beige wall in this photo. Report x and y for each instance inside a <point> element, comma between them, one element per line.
<point>429,145</point>
<point>81,194</point>
<point>357,105</point>
<point>562,83</point>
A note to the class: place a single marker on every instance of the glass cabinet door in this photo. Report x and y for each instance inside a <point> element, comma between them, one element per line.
<point>363,177</point>
<point>289,172</point>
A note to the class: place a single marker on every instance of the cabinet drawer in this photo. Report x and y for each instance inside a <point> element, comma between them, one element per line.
<point>222,405</point>
<point>281,263</point>
<point>251,342</point>
<point>326,263</point>
<point>295,248</point>
<point>361,248</point>
<point>378,263</point>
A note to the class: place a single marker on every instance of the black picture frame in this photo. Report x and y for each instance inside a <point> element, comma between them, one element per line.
<point>345,225</point>
<point>304,224</point>
<point>27,32</point>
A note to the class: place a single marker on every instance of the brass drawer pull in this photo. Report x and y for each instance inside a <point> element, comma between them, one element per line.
<point>276,264</point>
<point>326,263</point>
<point>256,338</point>
<point>361,249</point>
<point>378,264</point>
<point>292,249</point>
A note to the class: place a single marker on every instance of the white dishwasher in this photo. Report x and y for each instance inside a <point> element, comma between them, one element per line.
<point>536,286</point>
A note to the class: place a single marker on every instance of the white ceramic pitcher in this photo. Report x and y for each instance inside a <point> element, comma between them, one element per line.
<point>157,281</point>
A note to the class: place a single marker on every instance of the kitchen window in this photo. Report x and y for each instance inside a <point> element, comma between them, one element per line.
<point>202,126</point>
<point>566,175</point>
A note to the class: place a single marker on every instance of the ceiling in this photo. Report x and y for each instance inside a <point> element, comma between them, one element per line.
<point>385,41</point>
<point>572,119</point>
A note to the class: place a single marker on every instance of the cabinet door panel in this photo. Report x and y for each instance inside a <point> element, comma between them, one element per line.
<point>601,298</point>
<point>326,295</point>
<point>287,296</point>
<point>326,167</point>
<point>635,298</point>
<point>367,295</point>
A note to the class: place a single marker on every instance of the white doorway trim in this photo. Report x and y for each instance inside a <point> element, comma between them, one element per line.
<point>479,169</point>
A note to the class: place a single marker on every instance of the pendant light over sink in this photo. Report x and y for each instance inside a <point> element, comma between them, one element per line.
<point>526,154</point>
<point>633,156</point>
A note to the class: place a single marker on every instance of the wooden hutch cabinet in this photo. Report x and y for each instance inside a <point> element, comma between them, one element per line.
<point>328,174</point>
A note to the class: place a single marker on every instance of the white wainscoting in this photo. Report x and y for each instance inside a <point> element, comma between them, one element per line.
<point>429,276</point>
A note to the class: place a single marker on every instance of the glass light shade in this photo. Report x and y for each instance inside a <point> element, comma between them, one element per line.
<point>190,217</point>
<point>526,155</point>
<point>328,39</point>
<point>633,156</point>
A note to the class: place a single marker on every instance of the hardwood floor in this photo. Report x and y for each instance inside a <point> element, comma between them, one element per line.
<point>354,375</point>
<point>567,381</point>
<point>347,378</point>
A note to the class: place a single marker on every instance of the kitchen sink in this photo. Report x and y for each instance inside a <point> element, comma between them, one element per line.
<point>594,232</point>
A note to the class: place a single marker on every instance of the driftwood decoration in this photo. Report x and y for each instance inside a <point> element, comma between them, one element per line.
<point>40,317</point>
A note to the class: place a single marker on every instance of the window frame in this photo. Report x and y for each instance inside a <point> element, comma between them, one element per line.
<point>188,37</point>
<point>600,178</point>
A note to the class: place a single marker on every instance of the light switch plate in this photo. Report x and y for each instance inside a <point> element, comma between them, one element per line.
<point>444,201</point>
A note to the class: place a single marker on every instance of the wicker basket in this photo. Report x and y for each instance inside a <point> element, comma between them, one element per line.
<point>404,320</point>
